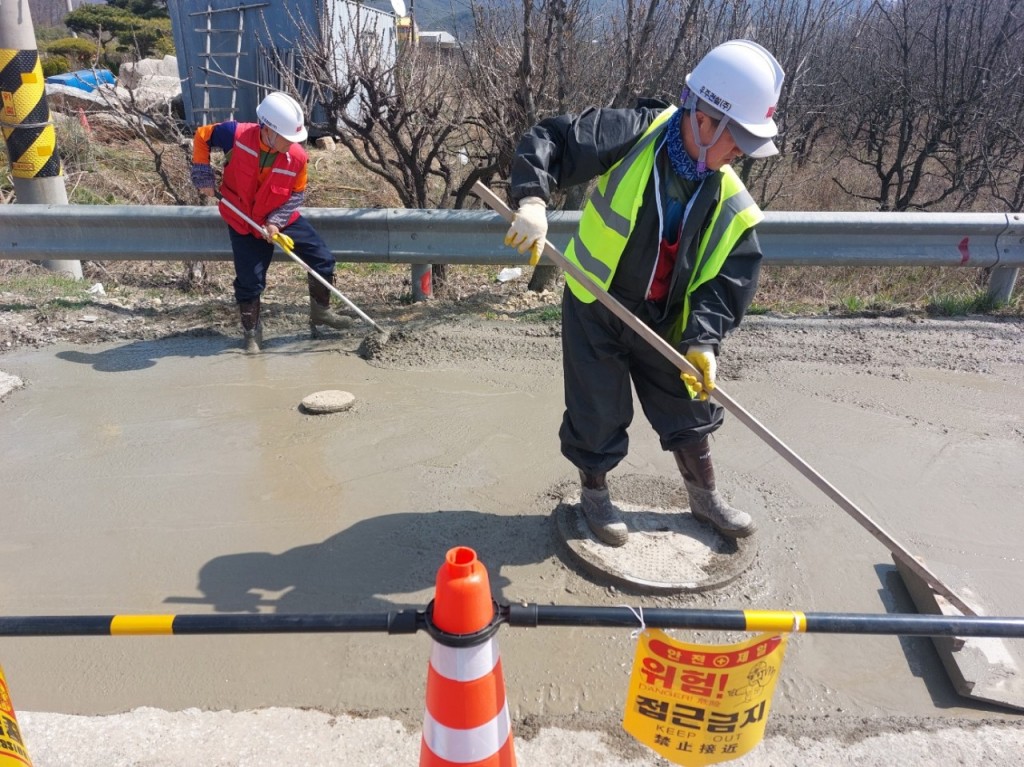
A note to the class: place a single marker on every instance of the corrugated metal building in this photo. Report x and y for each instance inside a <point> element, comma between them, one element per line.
<point>231,53</point>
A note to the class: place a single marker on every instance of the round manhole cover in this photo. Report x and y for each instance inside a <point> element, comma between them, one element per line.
<point>668,551</point>
<point>330,401</point>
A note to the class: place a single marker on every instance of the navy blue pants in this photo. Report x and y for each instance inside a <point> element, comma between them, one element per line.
<point>601,355</point>
<point>253,255</point>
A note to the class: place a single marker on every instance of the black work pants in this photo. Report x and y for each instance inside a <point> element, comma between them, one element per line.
<point>601,356</point>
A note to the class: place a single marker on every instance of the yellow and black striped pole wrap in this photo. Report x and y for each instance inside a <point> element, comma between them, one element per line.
<point>25,116</point>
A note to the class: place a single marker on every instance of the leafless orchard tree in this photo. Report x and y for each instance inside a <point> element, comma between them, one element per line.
<point>404,117</point>
<point>1003,137</point>
<point>654,40</point>
<point>170,149</point>
<point>808,39</point>
<point>925,95</point>
<point>522,65</point>
<point>929,81</point>
<point>537,58</point>
<point>1004,163</point>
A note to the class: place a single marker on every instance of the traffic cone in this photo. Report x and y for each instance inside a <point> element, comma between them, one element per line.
<point>12,748</point>
<point>466,723</point>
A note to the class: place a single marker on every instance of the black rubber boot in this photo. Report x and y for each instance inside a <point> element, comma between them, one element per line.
<point>252,329</point>
<point>706,503</point>
<point>599,511</point>
<point>319,307</point>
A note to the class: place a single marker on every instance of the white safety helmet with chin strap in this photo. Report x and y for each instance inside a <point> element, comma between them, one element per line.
<point>739,83</point>
<point>283,115</point>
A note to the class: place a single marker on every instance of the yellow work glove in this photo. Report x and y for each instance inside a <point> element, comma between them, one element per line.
<point>702,357</point>
<point>284,241</point>
<point>529,228</point>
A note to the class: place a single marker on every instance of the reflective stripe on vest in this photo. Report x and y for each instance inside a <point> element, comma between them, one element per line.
<point>241,184</point>
<point>735,213</point>
<point>610,215</point>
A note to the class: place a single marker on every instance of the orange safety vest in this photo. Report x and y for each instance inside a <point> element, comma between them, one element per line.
<point>241,185</point>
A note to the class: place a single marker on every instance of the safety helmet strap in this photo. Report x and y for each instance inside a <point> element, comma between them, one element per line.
<point>689,100</point>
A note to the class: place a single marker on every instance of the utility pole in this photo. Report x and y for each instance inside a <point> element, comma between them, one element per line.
<point>25,119</point>
<point>71,7</point>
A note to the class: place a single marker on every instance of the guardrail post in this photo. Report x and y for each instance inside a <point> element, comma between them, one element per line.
<point>1000,284</point>
<point>1009,245</point>
<point>422,282</point>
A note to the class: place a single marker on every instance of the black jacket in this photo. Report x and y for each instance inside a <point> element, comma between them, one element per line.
<point>573,149</point>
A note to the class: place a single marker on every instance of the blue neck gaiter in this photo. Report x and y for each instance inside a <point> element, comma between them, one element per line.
<point>682,163</point>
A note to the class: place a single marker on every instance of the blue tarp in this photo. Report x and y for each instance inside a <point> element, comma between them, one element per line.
<point>83,79</point>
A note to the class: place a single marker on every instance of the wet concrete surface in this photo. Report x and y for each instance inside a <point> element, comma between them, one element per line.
<point>181,476</point>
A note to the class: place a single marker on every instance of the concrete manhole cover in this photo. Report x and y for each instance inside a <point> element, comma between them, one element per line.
<point>668,551</point>
<point>330,401</point>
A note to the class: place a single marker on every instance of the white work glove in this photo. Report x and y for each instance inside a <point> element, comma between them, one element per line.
<point>529,228</point>
<point>702,357</point>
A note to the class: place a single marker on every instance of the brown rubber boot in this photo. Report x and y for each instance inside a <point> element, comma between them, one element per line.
<point>601,515</point>
<point>252,329</point>
<point>319,307</point>
<point>706,503</point>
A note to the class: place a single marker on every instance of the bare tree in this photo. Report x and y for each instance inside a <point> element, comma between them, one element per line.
<point>170,149</point>
<point>652,38</point>
<point>928,84</point>
<point>401,114</point>
<point>546,57</point>
<point>519,67</point>
<point>809,38</point>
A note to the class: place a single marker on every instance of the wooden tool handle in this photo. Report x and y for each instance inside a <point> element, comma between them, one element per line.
<point>776,444</point>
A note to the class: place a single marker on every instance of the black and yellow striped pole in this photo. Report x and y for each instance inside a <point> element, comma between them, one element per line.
<point>25,119</point>
<point>522,616</point>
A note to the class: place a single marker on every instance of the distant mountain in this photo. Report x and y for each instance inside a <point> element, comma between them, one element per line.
<point>451,16</point>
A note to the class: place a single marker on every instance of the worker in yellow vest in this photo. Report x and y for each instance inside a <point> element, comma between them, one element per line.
<point>669,232</point>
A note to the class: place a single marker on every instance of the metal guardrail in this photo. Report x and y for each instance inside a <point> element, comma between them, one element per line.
<point>392,235</point>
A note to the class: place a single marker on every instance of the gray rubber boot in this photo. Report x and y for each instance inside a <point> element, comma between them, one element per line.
<point>319,307</point>
<point>253,340</point>
<point>709,506</point>
<point>600,513</point>
<point>706,503</point>
<point>252,329</point>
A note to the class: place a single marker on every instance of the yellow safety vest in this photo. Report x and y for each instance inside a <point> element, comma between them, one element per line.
<point>610,215</point>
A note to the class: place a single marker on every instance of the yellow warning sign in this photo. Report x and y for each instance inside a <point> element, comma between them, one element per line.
<point>701,704</point>
<point>12,748</point>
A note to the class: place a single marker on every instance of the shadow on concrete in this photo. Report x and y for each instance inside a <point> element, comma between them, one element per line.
<point>369,566</point>
<point>922,657</point>
<point>139,355</point>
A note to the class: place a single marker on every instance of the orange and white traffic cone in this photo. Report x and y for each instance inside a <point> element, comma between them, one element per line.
<point>467,723</point>
<point>12,748</point>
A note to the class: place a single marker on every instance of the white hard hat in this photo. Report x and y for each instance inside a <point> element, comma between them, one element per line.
<point>740,81</point>
<point>283,115</point>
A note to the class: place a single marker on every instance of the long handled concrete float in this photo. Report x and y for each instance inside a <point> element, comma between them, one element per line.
<point>1006,685</point>
<point>285,243</point>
